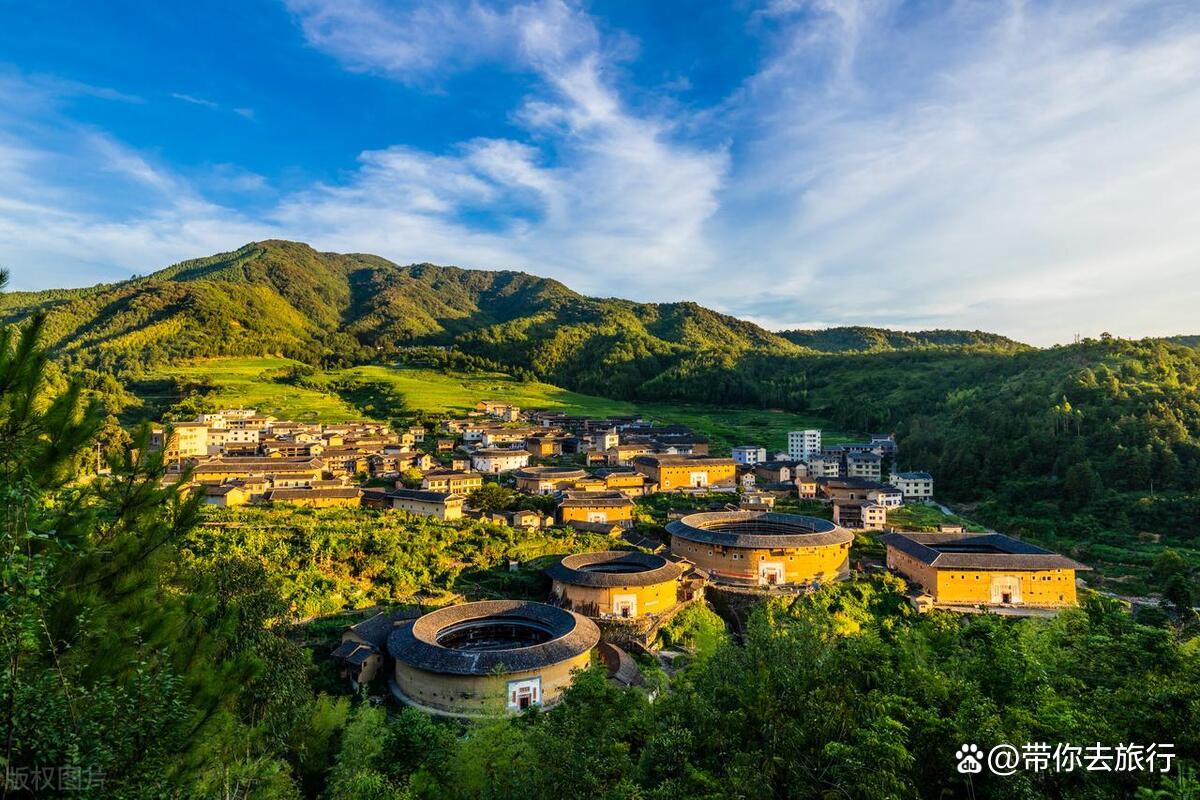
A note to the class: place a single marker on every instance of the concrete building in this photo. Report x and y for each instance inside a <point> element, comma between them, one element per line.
<point>823,466</point>
<point>749,455</point>
<point>615,583</point>
<point>860,514</point>
<point>185,440</point>
<point>915,486</point>
<point>451,481</point>
<point>751,548</point>
<point>803,445</point>
<point>496,461</point>
<point>982,569</point>
<point>863,465</point>
<point>490,658</point>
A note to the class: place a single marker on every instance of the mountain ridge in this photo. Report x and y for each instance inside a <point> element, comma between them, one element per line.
<point>293,299</point>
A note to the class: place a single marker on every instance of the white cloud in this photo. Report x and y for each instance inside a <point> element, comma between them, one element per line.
<point>1028,169</point>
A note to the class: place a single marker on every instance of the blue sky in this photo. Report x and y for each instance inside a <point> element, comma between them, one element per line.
<point>1028,168</point>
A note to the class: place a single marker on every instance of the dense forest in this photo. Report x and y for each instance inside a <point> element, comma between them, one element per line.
<point>147,657</point>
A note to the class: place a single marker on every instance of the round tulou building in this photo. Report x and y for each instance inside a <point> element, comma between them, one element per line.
<point>490,657</point>
<point>753,548</point>
<point>616,583</point>
<point>547,480</point>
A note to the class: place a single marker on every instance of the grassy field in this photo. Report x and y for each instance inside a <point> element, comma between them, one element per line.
<point>247,382</point>
<point>430,390</point>
<point>240,383</point>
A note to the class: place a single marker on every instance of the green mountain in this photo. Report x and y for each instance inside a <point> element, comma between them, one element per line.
<point>285,297</point>
<point>278,297</point>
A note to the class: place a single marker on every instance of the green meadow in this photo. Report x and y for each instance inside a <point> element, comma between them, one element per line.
<point>251,382</point>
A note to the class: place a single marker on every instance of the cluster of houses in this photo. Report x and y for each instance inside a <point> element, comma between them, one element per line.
<point>849,476</point>
<point>594,467</point>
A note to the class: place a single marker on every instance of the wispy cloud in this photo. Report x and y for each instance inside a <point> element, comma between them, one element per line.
<point>212,105</point>
<point>1025,168</point>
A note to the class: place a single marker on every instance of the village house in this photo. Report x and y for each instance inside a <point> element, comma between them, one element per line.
<point>674,472</point>
<point>326,497</point>
<point>982,569</point>
<point>823,466</point>
<point>915,486</point>
<point>225,495</point>
<point>846,489</point>
<point>451,481</point>
<point>861,514</point>
<point>523,518</point>
<point>494,461</point>
<point>360,653</point>
<point>187,440</point>
<point>285,448</point>
<point>628,482</point>
<point>605,439</point>
<point>863,465</point>
<point>545,445</point>
<point>284,471</point>
<point>547,480</point>
<point>346,460</point>
<point>774,471</point>
<point>749,455</point>
<point>501,437</point>
<point>622,455</point>
<point>444,445</point>
<point>440,505</point>
<point>607,507</point>
<point>806,487</point>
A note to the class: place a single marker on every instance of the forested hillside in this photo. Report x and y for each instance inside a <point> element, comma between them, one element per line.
<point>857,339</point>
<point>286,298</point>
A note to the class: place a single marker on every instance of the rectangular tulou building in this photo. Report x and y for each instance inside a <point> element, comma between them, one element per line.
<point>988,569</point>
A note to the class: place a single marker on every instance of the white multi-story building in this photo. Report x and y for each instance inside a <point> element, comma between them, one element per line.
<point>803,445</point>
<point>495,461</point>
<point>913,485</point>
<point>749,455</point>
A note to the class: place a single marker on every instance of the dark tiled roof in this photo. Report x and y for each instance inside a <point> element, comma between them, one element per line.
<point>574,569</point>
<point>420,494</point>
<point>1014,554</point>
<point>594,500</point>
<point>550,472</point>
<point>758,530</point>
<point>417,645</point>
<point>328,493</point>
<point>915,476</point>
<point>850,483</point>
<point>663,459</point>
<point>376,629</point>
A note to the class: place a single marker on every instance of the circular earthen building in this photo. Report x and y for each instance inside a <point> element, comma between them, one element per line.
<point>753,548</point>
<point>616,583</point>
<point>490,657</point>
